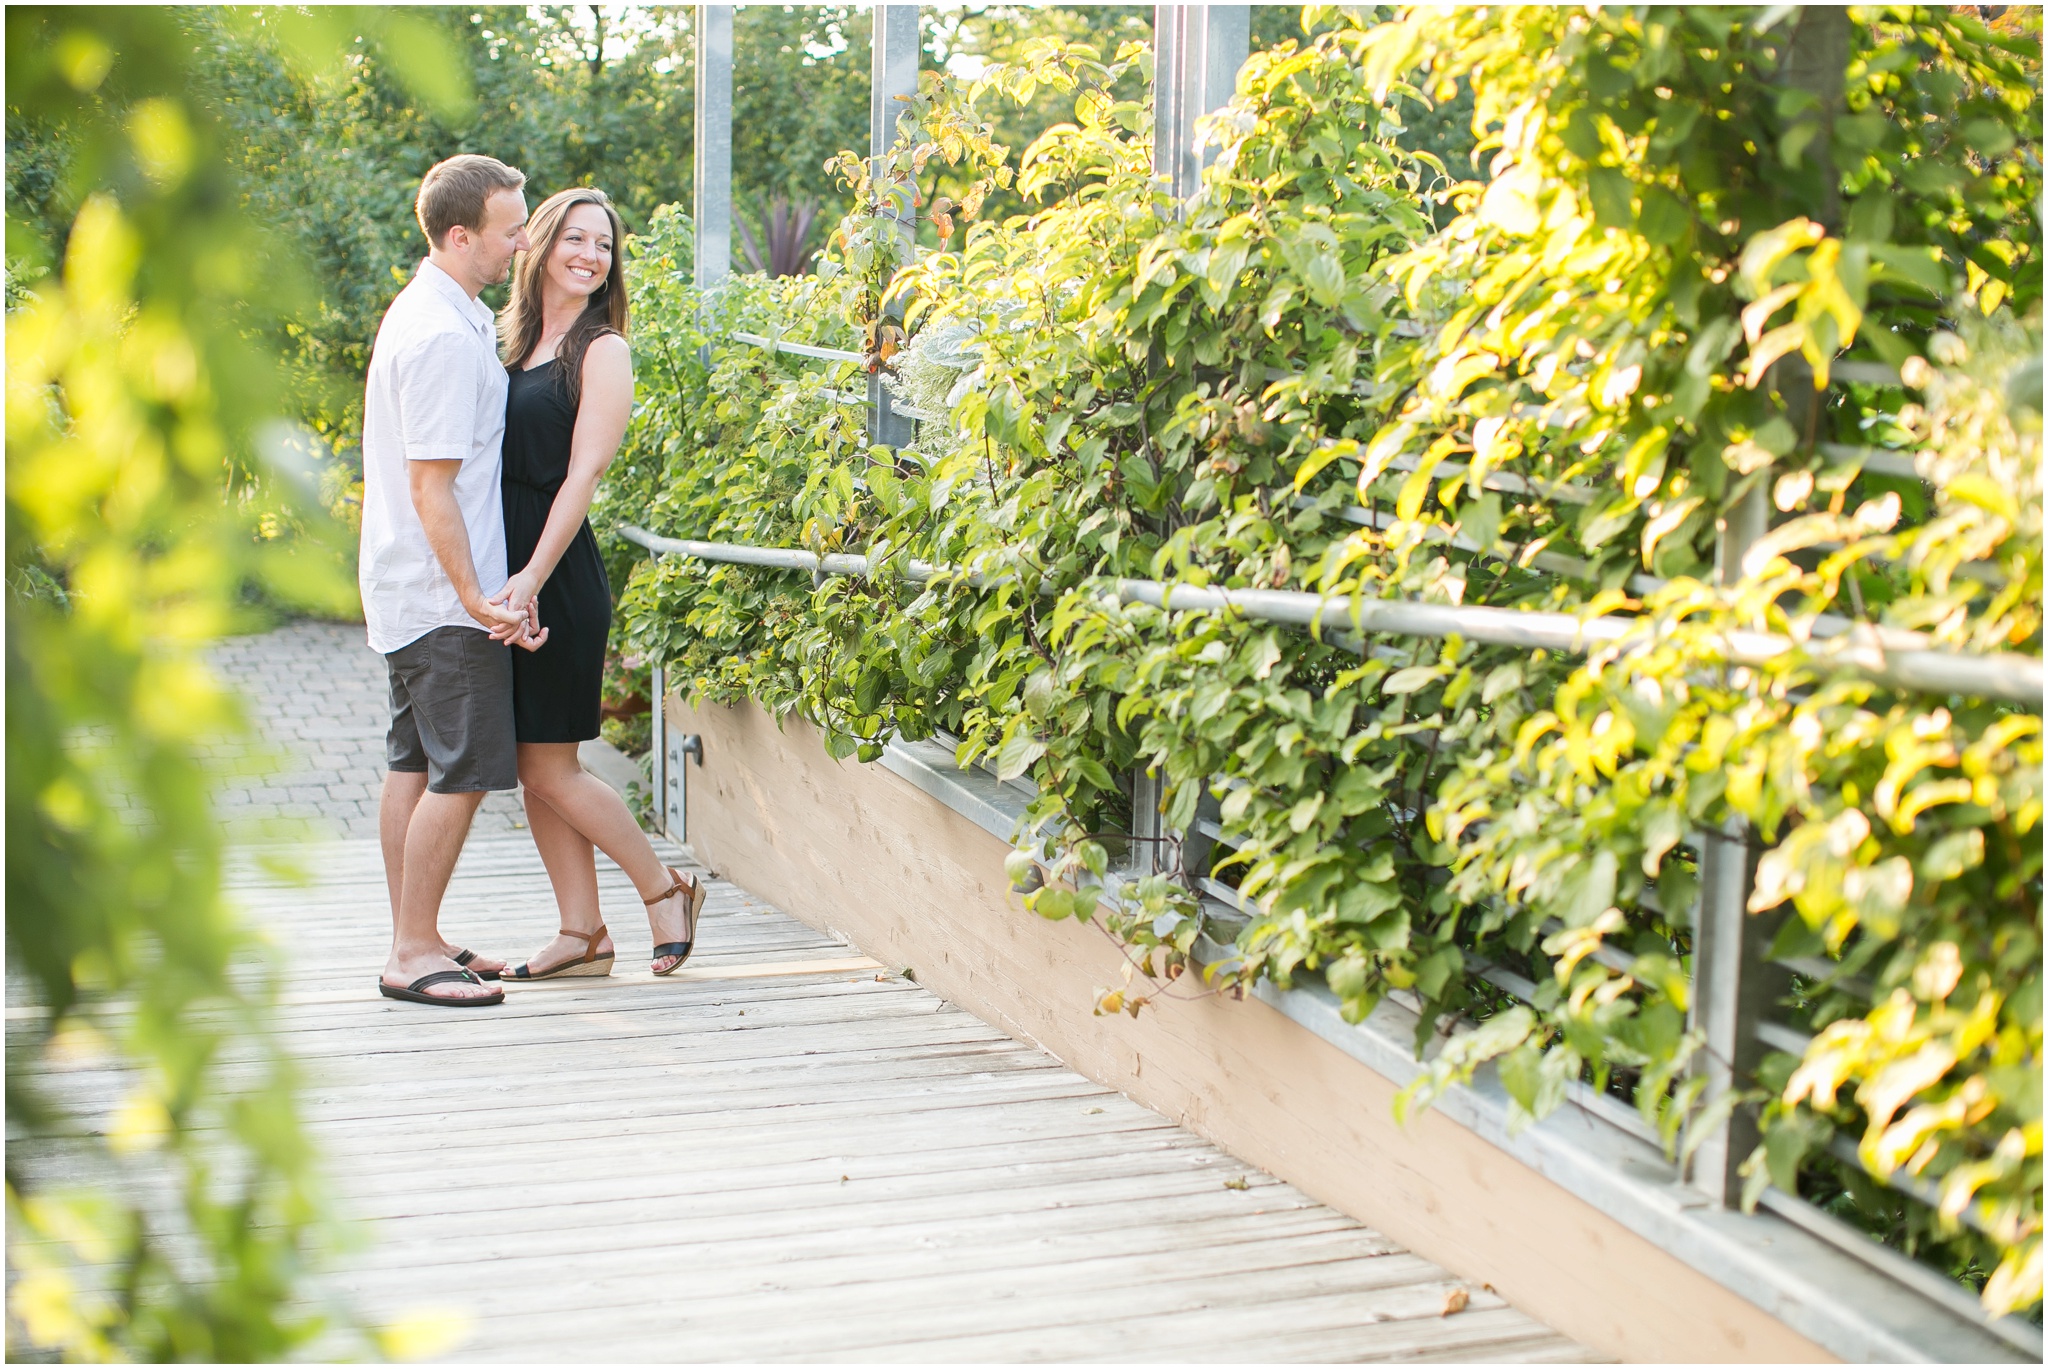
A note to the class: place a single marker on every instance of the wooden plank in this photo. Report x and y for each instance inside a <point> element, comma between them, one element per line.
<point>537,1168</point>
<point>921,1295</point>
<point>1130,1206</point>
<point>1016,1250</point>
<point>1076,1309</point>
<point>622,1002</point>
<point>338,1102</point>
<point>743,1146</point>
<point>439,1129</point>
<point>1488,1334</point>
<point>820,1188</point>
<point>470,1030</point>
<point>969,1062</point>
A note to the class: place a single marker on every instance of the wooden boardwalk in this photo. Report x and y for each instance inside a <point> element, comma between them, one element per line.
<point>787,1152</point>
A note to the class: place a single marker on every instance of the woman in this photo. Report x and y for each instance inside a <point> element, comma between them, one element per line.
<point>563,336</point>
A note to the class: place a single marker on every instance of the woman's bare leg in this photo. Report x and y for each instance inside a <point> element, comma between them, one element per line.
<point>594,811</point>
<point>571,864</point>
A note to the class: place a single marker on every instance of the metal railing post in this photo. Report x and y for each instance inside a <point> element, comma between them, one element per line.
<point>1727,1002</point>
<point>1197,50</point>
<point>674,797</point>
<point>711,190</point>
<point>1148,825</point>
<point>657,748</point>
<point>895,73</point>
<point>711,214</point>
<point>1732,983</point>
<point>1196,53</point>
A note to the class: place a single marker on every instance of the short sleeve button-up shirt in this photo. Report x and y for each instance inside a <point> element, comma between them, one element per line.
<point>436,392</point>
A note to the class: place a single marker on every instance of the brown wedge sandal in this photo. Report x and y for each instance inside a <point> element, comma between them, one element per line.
<point>694,895</point>
<point>592,964</point>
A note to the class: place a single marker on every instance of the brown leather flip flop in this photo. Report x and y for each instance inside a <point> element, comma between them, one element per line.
<point>463,958</point>
<point>415,992</point>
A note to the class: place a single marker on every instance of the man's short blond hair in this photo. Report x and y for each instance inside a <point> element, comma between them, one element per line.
<point>454,193</point>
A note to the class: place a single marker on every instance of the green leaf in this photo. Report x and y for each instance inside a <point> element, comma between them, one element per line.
<point>1324,277</point>
<point>1412,678</point>
<point>1664,218</point>
<point>1019,751</point>
<point>1920,266</point>
<point>1364,901</point>
<point>1588,890</point>
<point>1954,854</point>
<point>1304,812</point>
<point>1435,971</point>
<point>1052,903</point>
<point>1663,829</point>
<point>1094,772</point>
<point>1609,189</point>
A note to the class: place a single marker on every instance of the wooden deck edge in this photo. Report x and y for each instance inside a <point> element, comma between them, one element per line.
<point>865,854</point>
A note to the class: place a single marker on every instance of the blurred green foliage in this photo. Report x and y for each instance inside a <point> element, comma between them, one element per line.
<point>159,1206</point>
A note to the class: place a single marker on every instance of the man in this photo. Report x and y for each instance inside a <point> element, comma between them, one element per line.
<point>433,543</point>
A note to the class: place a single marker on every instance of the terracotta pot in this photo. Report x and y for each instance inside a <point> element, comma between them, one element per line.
<point>625,708</point>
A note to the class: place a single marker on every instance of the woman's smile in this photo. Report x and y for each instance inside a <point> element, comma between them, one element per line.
<point>582,256</point>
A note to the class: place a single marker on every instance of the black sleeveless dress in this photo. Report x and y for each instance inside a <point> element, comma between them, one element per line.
<point>556,690</point>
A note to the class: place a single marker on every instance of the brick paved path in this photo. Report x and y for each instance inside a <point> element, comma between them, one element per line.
<point>316,694</point>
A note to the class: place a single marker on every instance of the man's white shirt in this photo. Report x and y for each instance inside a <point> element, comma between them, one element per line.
<point>436,392</point>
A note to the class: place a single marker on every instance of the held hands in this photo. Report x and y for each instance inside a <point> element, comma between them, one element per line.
<point>515,611</point>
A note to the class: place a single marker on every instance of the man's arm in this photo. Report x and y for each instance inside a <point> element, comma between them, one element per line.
<point>433,497</point>
<point>437,428</point>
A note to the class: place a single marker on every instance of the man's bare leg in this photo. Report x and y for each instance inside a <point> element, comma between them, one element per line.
<point>433,842</point>
<point>402,791</point>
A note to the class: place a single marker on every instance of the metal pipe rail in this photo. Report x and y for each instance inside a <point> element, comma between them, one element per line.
<point>799,349</point>
<point>2009,677</point>
<point>847,397</point>
<point>1554,563</point>
<point>778,558</point>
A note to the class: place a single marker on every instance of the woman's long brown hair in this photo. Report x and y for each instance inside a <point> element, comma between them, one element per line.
<point>519,324</point>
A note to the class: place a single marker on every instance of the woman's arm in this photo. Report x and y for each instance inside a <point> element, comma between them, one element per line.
<point>601,418</point>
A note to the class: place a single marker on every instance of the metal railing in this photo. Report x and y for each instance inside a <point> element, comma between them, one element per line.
<point>773,346</point>
<point>2007,677</point>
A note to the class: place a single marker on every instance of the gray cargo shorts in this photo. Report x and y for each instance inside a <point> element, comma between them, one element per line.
<point>451,711</point>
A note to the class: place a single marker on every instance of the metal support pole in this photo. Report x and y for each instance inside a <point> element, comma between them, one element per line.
<point>675,791</point>
<point>1196,53</point>
<point>1730,990</point>
<point>711,202</point>
<point>1148,825</point>
<point>895,73</point>
<point>673,750</point>
<point>1197,50</point>
<point>711,211</point>
<point>657,749</point>
<point>1732,982</point>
